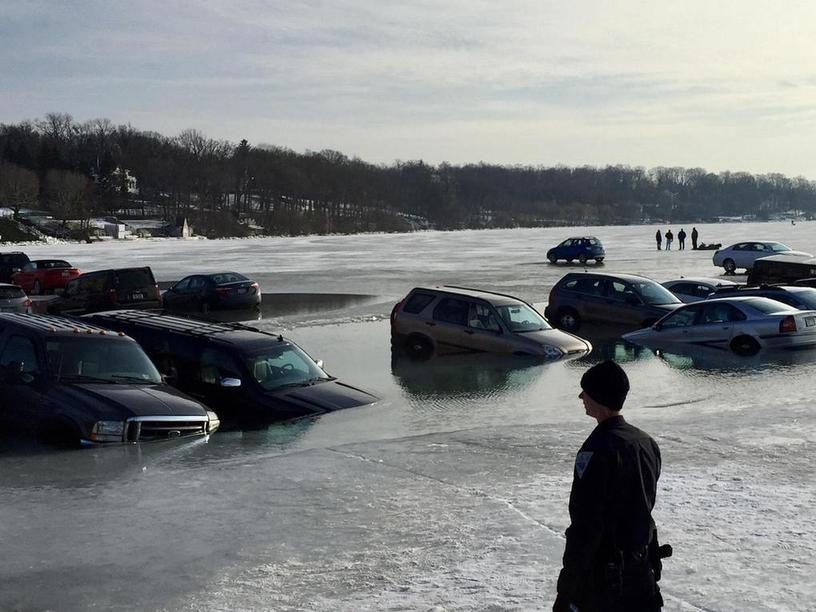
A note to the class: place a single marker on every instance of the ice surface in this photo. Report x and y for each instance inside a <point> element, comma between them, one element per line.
<point>450,493</point>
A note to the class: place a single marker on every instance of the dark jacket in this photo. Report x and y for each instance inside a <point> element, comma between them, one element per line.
<point>606,558</point>
<point>681,236</point>
<point>659,236</point>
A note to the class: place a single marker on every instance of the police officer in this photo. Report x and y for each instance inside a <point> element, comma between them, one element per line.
<point>611,557</point>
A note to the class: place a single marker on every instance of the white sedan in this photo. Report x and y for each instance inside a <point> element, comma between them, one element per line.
<point>742,324</point>
<point>744,254</point>
<point>696,288</point>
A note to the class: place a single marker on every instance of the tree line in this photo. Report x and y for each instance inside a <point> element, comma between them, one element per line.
<point>77,170</point>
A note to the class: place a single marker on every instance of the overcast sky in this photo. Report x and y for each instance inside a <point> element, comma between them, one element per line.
<point>719,84</point>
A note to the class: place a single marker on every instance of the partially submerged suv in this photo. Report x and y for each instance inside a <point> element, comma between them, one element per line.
<point>624,299</point>
<point>245,374</point>
<point>108,289</point>
<point>72,383</point>
<point>462,319</point>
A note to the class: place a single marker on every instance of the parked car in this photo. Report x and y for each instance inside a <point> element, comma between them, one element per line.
<point>107,290</point>
<point>744,254</point>
<point>43,275</point>
<point>13,299</point>
<point>785,269</point>
<point>10,263</point>
<point>462,319</point>
<point>624,299</point>
<point>582,249</point>
<point>207,292</point>
<point>743,324</point>
<point>243,373</point>
<point>693,289</point>
<point>803,298</point>
<point>72,382</point>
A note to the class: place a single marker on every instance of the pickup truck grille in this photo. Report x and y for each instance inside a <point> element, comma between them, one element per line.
<point>144,429</point>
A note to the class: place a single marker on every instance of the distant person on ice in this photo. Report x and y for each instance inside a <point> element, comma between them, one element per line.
<point>658,239</point>
<point>694,236</point>
<point>612,556</point>
<point>669,238</point>
<point>681,238</point>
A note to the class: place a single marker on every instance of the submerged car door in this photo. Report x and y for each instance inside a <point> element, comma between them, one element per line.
<point>21,394</point>
<point>623,303</point>
<point>678,326</point>
<point>484,329</point>
<point>221,384</point>
<point>717,324</point>
<point>450,319</point>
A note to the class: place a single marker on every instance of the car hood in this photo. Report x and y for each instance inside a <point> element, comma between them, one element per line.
<point>794,253</point>
<point>324,397</point>
<point>555,337</point>
<point>119,401</point>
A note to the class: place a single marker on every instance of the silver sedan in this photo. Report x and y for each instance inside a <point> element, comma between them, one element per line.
<point>13,299</point>
<point>743,324</point>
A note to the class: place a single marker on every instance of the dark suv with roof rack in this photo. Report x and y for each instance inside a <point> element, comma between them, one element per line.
<point>458,319</point>
<point>74,383</point>
<point>244,373</point>
<point>803,298</point>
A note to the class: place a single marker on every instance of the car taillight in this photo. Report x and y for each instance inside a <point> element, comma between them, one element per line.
<point>788,324</point>
<point>28,302</point>
<point>156,291</point>
<point>395,309</point>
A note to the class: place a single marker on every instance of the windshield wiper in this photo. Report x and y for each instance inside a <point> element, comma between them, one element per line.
<point>303,383</point>
<point>84,378</point>
<point>135,379</point>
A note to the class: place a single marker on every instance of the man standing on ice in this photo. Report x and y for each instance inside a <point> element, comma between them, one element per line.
<point>612,557</point>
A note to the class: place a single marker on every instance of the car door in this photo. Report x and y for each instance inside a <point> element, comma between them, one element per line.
<point>175,295</point>
<point>197,292</point>
<point>21,394</point>
<point>484,329</point>
<point>678,326</point>
<point>742,254</point>
<point>70,301</point>
<point>221,383</point>
<point>716,324</point>
<point>450,318</point>
<point>623,304</point>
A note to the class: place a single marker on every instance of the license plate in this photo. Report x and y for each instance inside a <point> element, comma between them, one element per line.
<point>810,321</point>
<point>137,296</point>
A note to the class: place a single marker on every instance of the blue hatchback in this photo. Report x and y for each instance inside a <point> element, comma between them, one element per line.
<point>582,249</point>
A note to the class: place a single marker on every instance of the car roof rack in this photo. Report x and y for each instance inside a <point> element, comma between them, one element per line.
<point>195,327</point>
<point>52,323</point>
<point>512,297</point>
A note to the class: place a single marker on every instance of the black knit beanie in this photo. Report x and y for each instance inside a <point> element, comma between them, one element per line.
<point>607,384</point>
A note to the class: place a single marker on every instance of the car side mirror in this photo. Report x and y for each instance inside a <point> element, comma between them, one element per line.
<point>230,382</point>
<point>319,363</point>
<point>14,373</point>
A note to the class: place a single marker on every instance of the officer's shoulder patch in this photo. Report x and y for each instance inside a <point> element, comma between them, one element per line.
<point>581,462</point>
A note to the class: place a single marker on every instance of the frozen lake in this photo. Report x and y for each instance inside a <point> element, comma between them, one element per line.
<point>450,493</point>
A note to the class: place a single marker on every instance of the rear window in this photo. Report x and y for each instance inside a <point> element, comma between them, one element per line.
<point>138,278</point>
<point>14,259</point>
<point>227,277</point>
<point>52,263</point>
<point>9,293</point>
<point>417,303</point>
<point>768,306</point>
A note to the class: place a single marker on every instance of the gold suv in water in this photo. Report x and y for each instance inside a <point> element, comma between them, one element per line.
<point>434,319</point>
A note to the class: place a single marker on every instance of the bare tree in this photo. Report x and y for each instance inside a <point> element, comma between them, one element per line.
<point>18,187</point>
<point>66,194</point>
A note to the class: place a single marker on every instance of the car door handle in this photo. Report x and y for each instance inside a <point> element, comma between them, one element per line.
<point>431,323</point>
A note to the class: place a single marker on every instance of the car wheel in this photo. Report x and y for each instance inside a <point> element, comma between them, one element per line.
<point>568,319</point>
<point>569,259</point>
<point>729,266</point>
<point>552,258</point>
<point>599,260</point>
<point>582,258</point>
<point>745,345</point>
<point>37,288</point>
<point>418,347</point>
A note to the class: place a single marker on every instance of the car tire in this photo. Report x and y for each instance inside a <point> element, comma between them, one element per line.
<point>745,345</point>
<point>582,259</point>
<point>552,258</point>
<point>568,320</point>
<point>36,289</point>
<point>599,260</point>
<point>729,266</point>
<point>418,347</point>
<point>569,260</point>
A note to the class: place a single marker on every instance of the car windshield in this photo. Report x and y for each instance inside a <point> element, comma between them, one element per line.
<point>521,318</point>
<point>778,247</point>
<point>654,293</point>
<point>116,360</point>
<point>136,278</point>
<point>284,365</point>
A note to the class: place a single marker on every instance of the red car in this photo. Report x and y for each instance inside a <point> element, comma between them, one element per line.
<point>43,275</point>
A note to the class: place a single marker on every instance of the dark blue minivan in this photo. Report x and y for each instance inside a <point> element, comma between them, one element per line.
<point>582,249</point>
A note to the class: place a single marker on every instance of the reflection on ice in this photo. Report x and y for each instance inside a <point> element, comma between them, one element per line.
<point>684,357</point>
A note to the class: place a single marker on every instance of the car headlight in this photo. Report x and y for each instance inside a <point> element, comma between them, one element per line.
<point>108,431</point>
<point>552,351</point>
<point>213,422</point>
